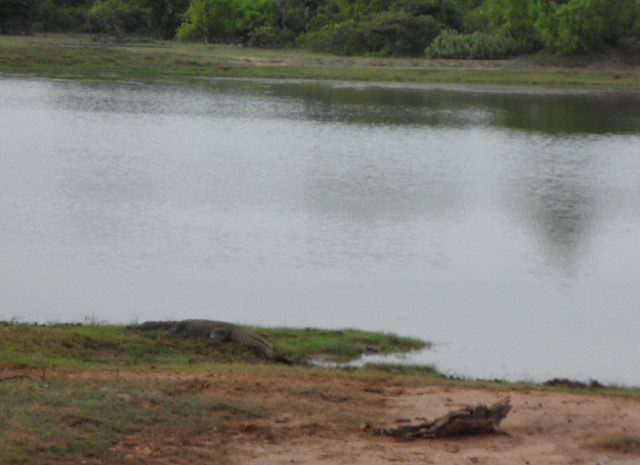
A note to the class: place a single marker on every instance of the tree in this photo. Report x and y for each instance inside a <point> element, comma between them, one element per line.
<point>448,12</point>
<point>119,16</point>
<point>514,19</point>
<point>16,16</point>
<point>166,16</point>
<point>579,26</point>
<point>208,20</point>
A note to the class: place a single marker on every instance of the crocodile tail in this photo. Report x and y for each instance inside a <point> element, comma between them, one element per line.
<point>250,339</point>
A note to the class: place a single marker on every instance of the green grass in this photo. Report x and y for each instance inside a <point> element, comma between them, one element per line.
<point>69,420</point>
<point>86,346</point>
<point>78,57</point>
<point>116,347</point>
<point>623,443</point>
<point>342,345</point>
<point>405,370</point>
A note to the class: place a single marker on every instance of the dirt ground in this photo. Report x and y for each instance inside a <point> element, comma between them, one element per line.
<point>319,420</point>
<point>613,61</point>
<point>543,428</point>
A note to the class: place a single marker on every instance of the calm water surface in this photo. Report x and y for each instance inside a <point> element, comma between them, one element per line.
<point>503,227</point>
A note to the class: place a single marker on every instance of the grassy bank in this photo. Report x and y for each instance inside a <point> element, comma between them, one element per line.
<point>28,349</point>
<point>96,393</point>
<point>102,393</point>
<point>80,57</point>
<point>92,346</point>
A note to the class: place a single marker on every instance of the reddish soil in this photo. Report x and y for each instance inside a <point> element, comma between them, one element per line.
<point>543,428</point>
<point>318,420</point>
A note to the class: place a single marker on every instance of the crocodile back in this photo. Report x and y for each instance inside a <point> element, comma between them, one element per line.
<point>215,331</point>
<point>198,328</point>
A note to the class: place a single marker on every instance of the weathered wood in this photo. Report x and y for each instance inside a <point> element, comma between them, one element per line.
<point>473,419</point>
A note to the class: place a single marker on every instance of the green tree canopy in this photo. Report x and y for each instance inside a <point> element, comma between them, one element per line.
<point>119,16</point>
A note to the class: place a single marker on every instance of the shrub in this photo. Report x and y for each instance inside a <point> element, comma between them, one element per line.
<point>166,16</point>
<point>269,37</point>
<point>61,16</point>
<point>162,17</point>
<point>119,16</point>
<point>232,21</point>
<point>386,34</point>
<point>478,45</point>
<point>579,26</point>
<point>398,34</point>
<point>208,20</point>
<point>16,16</point>
<point>340,38</point>
<point>574,27</point>
<point>514,19</point>
<point>447,12</point>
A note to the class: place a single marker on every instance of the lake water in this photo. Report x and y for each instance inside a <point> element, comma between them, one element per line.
<point>505,227</point>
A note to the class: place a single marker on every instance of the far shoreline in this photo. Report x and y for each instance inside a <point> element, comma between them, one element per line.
<point>117,346</point>
<point>78,56</point>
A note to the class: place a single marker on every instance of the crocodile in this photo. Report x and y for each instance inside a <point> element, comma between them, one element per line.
<point>217,332</point>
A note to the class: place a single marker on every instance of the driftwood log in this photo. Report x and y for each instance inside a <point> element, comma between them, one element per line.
<point>473,419</point>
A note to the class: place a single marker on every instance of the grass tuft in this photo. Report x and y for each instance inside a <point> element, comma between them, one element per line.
<point>408,370</point>
<point>624,443</point>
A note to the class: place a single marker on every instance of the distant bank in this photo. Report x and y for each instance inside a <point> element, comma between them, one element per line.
<point>81,57</point>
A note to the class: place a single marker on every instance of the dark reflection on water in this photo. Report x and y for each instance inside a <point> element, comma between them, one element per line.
<point>552,113</point>
<point>549,113</point>
<point>503,224</point>
<point>558,197</point>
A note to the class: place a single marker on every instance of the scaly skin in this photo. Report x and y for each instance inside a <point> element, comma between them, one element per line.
<point>216,331</point>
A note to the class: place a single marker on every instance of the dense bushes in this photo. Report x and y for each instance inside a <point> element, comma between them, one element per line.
<point>448,12</point>
<point>464,28</point>
<point>514,19</point>
<point>570,27</point>
<point>477,45</point>
<point>16,16</point>
<point>562,26</point>
<point>157,17</point>
<point>346,28</point>
<point>61,16</point>
<point>257,22</point>
<point>388,33</point>
<point>119,16</point>
<point>581,25</point>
